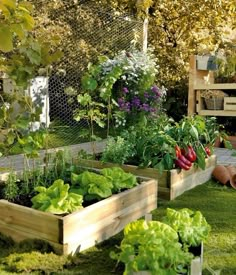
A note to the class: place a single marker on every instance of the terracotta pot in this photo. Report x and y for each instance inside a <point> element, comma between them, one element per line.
<point>217,142</point>
<point>221,173</point>
<point>232,172</point>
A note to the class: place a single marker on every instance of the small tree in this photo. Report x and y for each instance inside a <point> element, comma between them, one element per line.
<point>21,56</point>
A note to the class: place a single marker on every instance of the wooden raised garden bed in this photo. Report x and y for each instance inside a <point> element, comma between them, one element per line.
<point>81,229</point>
<point>171,183</point>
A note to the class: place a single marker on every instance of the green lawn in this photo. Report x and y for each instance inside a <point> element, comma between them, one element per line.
<point>216,202</point>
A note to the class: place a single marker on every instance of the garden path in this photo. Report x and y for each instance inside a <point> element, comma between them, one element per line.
<point>225,156</point>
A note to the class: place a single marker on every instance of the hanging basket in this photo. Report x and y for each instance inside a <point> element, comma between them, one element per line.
<point>215,103</point>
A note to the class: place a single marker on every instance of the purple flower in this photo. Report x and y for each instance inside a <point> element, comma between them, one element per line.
<point>135,102</point>
<point>153,110</point>
<point>155,89</point>
<point>146,95</point>
<point>124,106</point>
<point>145,107</point>
<point>158,94</point>
<point>125,90</point>
<point>121,102</point>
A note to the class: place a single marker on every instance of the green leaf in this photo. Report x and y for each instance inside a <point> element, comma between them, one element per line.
<point>89,83</point>
<point>28,21</point>
<point>201,161</point>
<point>96,186</point>
<point>56,199</point>
<point>191,226</point>
<point>160,166</point>
<point>22,123</point>
<point>194,133</point>
<point>84,99</point>
<point>17,28</point>
<point>168,161</point>
<point>11,138</point>
<point>6,44</point>
<point>119,178</point>
<point>9,3</point>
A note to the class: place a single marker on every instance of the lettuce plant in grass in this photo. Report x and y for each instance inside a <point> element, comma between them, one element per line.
<point>162,248</point>
<point>152,246</point>
<point>191,226</point>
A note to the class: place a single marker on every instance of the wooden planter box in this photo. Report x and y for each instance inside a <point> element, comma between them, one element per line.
<point>81,229</point>
<point>230,103</point>
<point>171,183</point>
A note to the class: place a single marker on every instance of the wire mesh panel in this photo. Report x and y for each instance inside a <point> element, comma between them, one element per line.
<point>86,31</point>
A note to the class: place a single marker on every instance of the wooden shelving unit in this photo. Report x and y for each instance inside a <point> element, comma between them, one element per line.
<point>204,80</point>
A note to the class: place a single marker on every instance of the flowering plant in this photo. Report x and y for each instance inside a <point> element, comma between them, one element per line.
<point>126,83</point>
<point>133,104</point>
<point>134,93</point>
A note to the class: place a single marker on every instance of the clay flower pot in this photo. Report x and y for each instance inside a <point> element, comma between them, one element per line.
<point>221,173</point>
<point>232,173</point>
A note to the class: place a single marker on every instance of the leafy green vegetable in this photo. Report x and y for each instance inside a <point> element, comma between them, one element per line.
<point>94,186</point>
<point>191,226</point>
<point>120,179</point>
<point>91,185</point>
<point>56,199</point>
<point>152,246</point>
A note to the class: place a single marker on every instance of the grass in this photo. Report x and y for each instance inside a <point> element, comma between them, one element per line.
<point>216,202</point>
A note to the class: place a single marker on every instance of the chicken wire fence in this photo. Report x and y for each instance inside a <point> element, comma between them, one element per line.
<point>86,32</point>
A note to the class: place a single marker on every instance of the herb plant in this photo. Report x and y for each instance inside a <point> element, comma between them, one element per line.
<point>118,150</point>
<point>11,189</point>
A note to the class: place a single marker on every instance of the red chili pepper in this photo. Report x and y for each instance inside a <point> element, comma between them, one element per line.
<point>185,160</point>
<point>177,151</point>
<point>208,151</point>
<point>179,163</point>
<point>190,154</point>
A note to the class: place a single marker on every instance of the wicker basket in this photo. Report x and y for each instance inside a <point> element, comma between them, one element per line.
<point>215,103</point>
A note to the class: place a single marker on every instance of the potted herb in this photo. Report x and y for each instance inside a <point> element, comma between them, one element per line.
<point>160,248</point>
